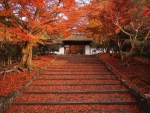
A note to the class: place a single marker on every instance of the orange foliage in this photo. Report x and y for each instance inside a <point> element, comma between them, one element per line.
<point>28,19</point>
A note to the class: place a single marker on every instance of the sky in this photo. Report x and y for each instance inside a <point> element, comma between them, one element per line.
<point>83,2</point>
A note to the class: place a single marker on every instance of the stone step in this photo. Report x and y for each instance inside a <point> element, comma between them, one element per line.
<point>79,92</point>
<point>75,84</point>
<point>77,67</point>
<point>70,73</point>
<point>76,79</point>
<point>70,70</point>
<point>77,71</point>
<point>75,98</point>
<point>80,108</point>
<point>53,76</point>
<point>95,70</point>
<point>73,88</point>
<point>77,103</point>
<point>43,82</point>
<point>76,64</point>
<point>78,61</point>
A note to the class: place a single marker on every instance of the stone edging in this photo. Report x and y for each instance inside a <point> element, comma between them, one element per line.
<point>7,101</point>
<point>142,99</point>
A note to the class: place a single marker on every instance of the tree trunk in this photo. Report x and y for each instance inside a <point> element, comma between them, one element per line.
<point>108,48</point>
<point>4,63</point>
<point>114,50</point>
<point>120,52</point>
<point>26,58</point>
<point>9,61</point>
<point>121,56</point>
<point>132,47</point>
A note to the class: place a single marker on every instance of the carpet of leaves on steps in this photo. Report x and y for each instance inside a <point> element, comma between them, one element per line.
<point>44,82</point>
<point>72,88</point>
<point>80,90</point>
<point>74,109</point>
<point>47,77</point>
<point>71,72</point>
<point>58,98</point>
<point>76,70</point>
<point>76,67</point>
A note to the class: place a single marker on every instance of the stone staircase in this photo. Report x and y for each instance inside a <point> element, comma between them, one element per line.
<point>75,84</point>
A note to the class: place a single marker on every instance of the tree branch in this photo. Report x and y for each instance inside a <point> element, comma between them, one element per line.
<point>124,31</point>
<point>6,4</point>
<point>147,35</point>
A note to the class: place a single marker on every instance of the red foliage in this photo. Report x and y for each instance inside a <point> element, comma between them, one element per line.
<point>53,102</point>
<point>73,108</point>
<point>137,74</point>
<point>146,11</point>
<point>15,81</point>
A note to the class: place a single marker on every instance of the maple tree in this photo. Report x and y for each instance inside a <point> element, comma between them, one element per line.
<point>27,22</point>
<point>99,27</point>
<point>132,19</point>
<point>79,19</point>
<point>129,17</point>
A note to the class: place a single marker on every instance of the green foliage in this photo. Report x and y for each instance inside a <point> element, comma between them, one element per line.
<point>145,52</point>
<point>127,54</point>
<point>128,41</point>
<point>45,49</point>
<point>139,2</point>
<point>35,51</point>
<point>45,36</point>
<point>9,51</point>
<point>96,44</point>
<point>53,47</point>
<point>137,43</point>
<point>112,43</point>
<point>40,49</point>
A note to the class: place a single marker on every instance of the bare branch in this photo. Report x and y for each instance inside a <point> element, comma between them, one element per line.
<point>147,35</point>
<point>124,31</point>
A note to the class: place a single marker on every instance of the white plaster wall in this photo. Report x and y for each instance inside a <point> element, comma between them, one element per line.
<point>87,50</point>
<point>99,51</point>
<point>61,50</point>
<point>95,51</point>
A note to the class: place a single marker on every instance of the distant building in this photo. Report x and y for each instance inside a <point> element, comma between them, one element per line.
<point>76,44</point>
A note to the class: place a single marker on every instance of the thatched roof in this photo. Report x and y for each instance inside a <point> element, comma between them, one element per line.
<point>77,37</point>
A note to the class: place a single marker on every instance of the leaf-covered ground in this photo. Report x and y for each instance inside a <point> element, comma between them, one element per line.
<point>79,90</point>
<point>138,73</point>
<point>15,81</point>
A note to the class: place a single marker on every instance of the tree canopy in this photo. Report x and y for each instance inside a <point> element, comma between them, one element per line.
<point>28,20</point>
<point>33,21</point>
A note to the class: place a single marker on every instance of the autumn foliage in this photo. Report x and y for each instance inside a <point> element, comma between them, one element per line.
<point>137,75</point>
<point>27,20</point>
<point>15,81</point>
<point>33,21</point>
<point>123,22</point>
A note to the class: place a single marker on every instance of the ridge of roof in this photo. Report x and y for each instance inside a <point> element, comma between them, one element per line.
<point>77,37</point>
